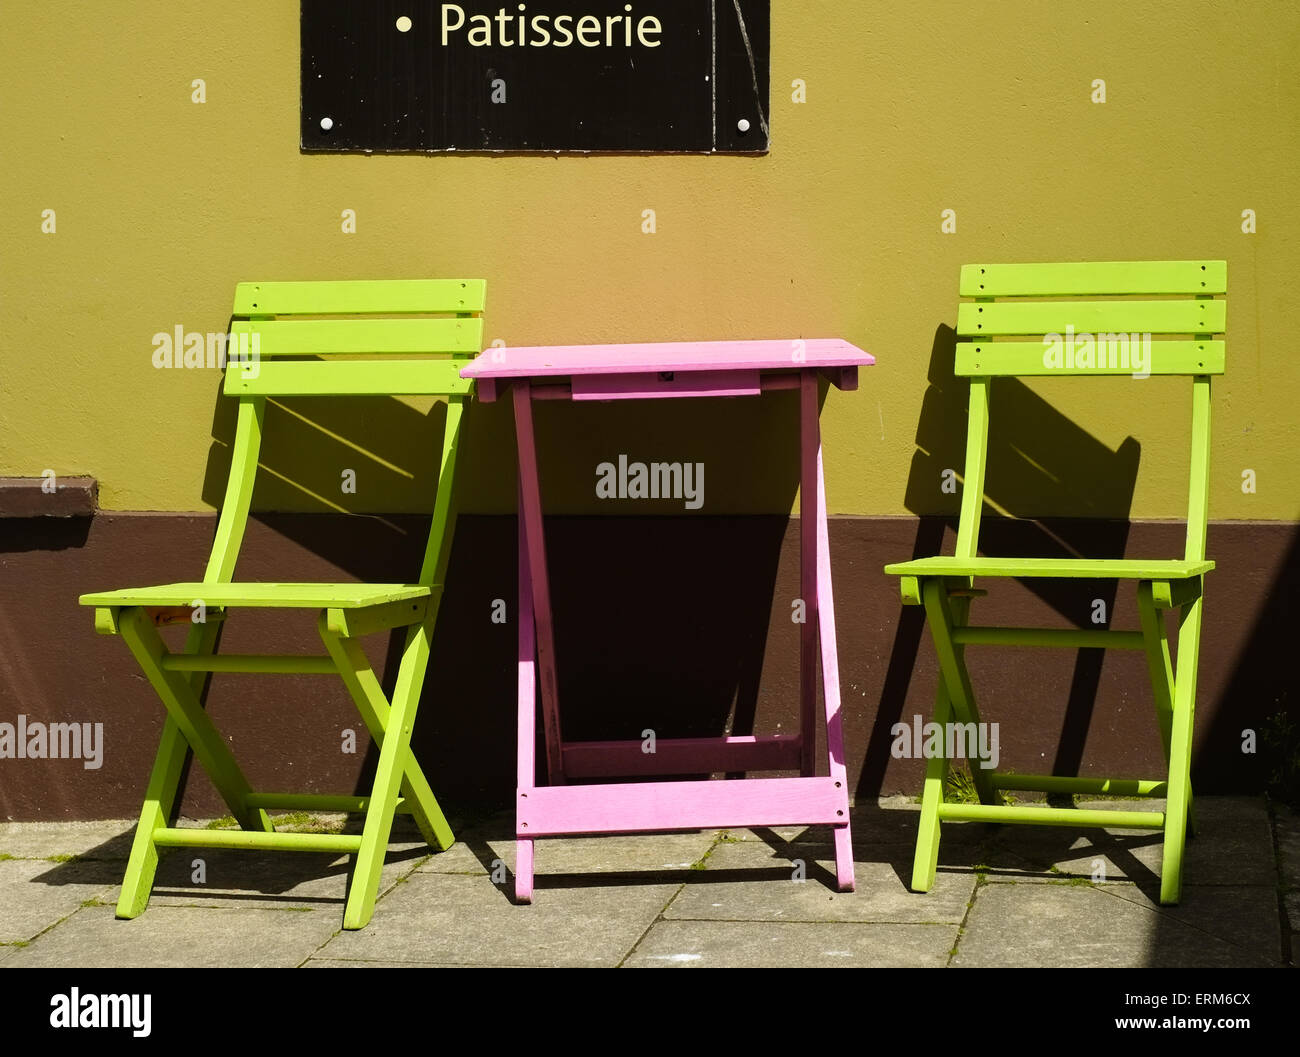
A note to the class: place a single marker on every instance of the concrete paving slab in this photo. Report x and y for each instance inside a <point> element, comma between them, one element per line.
<point>600,898</point>
<point>700,945</point>
<point>181,936</point>
<point>448,919</point>
<point>38,894</point>
<point>661,856</point>
<point>1082,925</point>
<point>105,839</point>
<point>749,881</point>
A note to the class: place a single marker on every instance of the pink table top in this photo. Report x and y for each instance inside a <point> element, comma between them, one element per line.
<point>569,360</point>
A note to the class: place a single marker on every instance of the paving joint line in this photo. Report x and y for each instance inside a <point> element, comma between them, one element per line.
<point>1282,887</point>
<point>980,882</point>
<point>717,840</point>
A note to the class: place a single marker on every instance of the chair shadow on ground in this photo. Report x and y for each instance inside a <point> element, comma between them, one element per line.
<point>230,876</point>
<point>881,835</point>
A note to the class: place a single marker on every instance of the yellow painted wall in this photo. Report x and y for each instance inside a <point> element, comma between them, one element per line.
<point>912,108</point>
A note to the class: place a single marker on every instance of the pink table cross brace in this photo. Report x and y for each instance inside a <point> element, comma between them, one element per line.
<point>651,371</point>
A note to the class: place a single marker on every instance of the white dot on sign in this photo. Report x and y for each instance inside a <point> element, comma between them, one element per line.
<point>743,124</point>
<point>327,123</point>
<point>403,24</point>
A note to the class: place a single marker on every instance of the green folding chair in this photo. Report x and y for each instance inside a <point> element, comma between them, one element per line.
<point>366,338</point>
<point>1175,302</point>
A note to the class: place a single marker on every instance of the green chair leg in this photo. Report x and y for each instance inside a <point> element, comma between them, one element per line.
<point>160,795</point>
<point>363,685</point>
<point>394,759</point>
<point>182,704</point>
<point>944,615</point>
<point>1160,666</point>
<point>1178,801</point>
<point>926,861</point>
<point>159,799</point>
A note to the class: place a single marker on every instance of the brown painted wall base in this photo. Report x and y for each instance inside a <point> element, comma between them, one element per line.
<point>684,628</point>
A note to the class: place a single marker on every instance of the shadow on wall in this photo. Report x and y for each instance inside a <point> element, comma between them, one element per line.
<point>660,622</point>
<point>1038,460</point>
<point>334,455</point>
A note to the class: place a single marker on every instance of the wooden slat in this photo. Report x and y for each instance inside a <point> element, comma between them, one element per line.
<point>1050,783</point>
<point>626,759</point>
<point>356,623</point>
<point>359,297</point>
<point>290,595</point>
<point>1096,568</point>
<point>262,663</point>
<point>1115,357</point>
<point>1069,638</point>
<point>648,807</point>
<point>349,378</point>
<point>1096,278</point>
<point>338,843</point>
<point>1173,594</point>
<point>327,337</point>
<point>353,805</point>
<point>1103,818</point>
<point>1093,317</point>
<point>567,361</point>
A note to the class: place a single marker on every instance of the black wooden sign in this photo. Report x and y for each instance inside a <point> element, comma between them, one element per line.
<point>535,75</point>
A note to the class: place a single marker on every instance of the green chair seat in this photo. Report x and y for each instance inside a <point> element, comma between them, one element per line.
<point>262,595</point>
<point>1102,569</point>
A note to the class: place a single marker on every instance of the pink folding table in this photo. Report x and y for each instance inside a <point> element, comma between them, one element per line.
<point>557,808</point>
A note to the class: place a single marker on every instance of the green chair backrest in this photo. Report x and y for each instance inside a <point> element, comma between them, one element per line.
<point>403,321</point>
<point>1159,318</point>
<point>393,337</point>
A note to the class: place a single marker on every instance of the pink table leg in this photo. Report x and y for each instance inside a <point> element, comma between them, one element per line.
<point>813,487</point>
<point>525,777</point>
<point>808,444</point>
<point>530,514</point>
